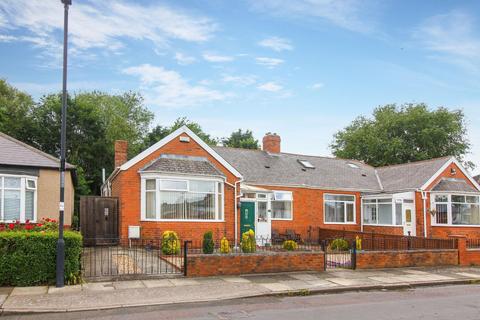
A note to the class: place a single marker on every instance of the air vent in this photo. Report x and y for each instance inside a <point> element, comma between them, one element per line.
<point>306,164</point>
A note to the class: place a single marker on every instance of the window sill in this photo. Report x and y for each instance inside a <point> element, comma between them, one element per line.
<point>457,225</point>
<point>282,219</point>
<point>179,220</point>
<point>383,225</point>
<point>350,223</point>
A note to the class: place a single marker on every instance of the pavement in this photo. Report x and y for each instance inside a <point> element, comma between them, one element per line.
<point>152,292</point>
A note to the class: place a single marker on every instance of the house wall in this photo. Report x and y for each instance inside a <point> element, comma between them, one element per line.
<point>48,196</point>
<point>126,186</point>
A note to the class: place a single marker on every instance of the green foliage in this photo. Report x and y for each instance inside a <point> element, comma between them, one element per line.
<point>248,243</point>
<point>290,245</point>
<point>170,243</point>
<point>224,246</point>
<point>208,245</point>
<point>399,134</point>
<point>241,139</point>
<point>28,258</point>
<point>160,132</point>
<point>339,245</point>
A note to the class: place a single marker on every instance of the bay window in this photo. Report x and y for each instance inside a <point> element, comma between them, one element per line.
<point>339,208</point>
<point>18,196</point>
<point>456,209</point>
<point>282,205</point>
<point>182,199</point>
<point>382,211</point>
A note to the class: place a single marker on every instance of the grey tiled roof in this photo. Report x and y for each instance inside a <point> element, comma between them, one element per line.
<point>411,175</point>
<point>477,178</point>
<point>263,168</point>
<point>453,185</point>
<point>17,153</point>
<point>182,165</point>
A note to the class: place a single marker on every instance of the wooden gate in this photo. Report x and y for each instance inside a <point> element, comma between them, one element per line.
<point>99,220</point>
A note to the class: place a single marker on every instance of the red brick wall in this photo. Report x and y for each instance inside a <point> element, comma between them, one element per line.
<point>126,186</point>
<point>402,259</point>
<point>205,265</point>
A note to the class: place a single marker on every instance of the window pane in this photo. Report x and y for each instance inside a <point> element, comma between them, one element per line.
<point>220,203</point>
<point>173,185</point>
<point>398,214</point>
<point>441,215</point>
<point>282,195</point>
<point>29,204</point>
<point>150,184</point>
<point>339,197</point>
<point>31,184</point>
<point>370,213</point>
<point>150,206</point>
<point>385,200</point>
<point>202,186</point>
<point>458,199</point>
<point>334,211</point>
<point>12,183</point>
<point>262,211</point>
<point>465,214</point>
<point>385,214</point>
<point>472,199</point>
<point>200,206</point>
<point>12,205</point>
<point>370,201</point>
<point>350,212</point>
<point>281,209</point>
<point>172,205</point>
<point>441,198</point>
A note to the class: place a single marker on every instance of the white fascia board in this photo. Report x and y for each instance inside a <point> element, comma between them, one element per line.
<point>169,138</point>
<point>444,167</point>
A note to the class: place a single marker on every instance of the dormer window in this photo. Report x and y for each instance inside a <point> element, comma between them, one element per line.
<point>306,164</point>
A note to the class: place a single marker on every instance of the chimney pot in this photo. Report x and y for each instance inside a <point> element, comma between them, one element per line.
<point>121,150</point>
<point>271,142</point>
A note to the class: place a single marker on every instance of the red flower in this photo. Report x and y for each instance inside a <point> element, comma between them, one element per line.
<point>47,219</point>
<point>17,222</point>
<point>27,221</point>
<point>39,225</point>
<point>11,226</point>
<point>28,227</point>
<point>53,221</point>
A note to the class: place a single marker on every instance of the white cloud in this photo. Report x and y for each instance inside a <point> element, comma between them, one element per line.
<point>317,86</point>
<point>183,59</point>
<point>102,24</point>
<point>270,86</point>
<point>451,37</point>
<point>269,62</point>
<point>276,44</point>
<point>243,81</point>
<point>210,57</point>
<point>167,88</point>
<point>347,14</point>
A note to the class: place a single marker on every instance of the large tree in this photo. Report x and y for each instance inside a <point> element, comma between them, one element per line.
<point>241,139</point>
<point>398,134</point>
<point>159,132</point>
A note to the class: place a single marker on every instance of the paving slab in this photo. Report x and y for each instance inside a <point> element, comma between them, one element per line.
<point>3,297</point>
<point>352,282</point>
<point>157,283</point>
<point>98,286</point>
<point>24,291</point>
<point>418,272</point>
<point>183,282</point>
<point>276,287</point>
<point>64,290</point>
<point>469,275</point>
<point>321,283</point>
<point>135,284</point>
<point>390,280</point>
<point>235,279</point>
<point>304,277</point>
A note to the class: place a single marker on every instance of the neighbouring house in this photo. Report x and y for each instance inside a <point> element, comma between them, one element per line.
<point>30,183</point>
<point>182,184</point>
<point>477,178</point>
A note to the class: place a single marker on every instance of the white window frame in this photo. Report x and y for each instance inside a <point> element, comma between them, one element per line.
<point>291,205</point>
<point>219,207</point>
<point>393,203</point>
<point>433,205</point>
<point>22,189</point>
<point>345,207</point>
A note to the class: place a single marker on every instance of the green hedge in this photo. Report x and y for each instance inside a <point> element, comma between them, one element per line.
<point>28,258</point>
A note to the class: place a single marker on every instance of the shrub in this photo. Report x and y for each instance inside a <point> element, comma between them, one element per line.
<point>28,257</point>
<point>248,242</point>
<point>224,246</point>
<point>170,243</point>
<point>339,245</point>
<point>208,245</point>
<point>290,245</point>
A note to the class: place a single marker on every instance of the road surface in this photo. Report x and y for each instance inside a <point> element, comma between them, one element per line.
<point>448,302</point>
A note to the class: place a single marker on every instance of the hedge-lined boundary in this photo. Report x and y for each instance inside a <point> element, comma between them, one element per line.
<point>28,258</point>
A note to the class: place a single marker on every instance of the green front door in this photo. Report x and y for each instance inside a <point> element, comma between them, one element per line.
<point>247,216</point>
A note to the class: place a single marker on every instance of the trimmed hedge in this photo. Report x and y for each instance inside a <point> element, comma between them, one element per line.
<point>28,258</point>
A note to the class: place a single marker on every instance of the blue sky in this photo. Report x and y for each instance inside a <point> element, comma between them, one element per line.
<point>303,69</point>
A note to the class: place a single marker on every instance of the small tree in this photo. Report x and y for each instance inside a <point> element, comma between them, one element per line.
<point>170,243</point>
<point>241,139</point>
<point>224,246</point>
<point>208,245</point>
<point>248,242</point>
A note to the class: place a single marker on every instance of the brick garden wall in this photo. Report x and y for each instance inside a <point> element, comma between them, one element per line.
<point>402,259</point>
<point>204,265</point>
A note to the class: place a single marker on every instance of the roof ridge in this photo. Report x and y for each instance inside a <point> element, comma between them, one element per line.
<point>414,162</point>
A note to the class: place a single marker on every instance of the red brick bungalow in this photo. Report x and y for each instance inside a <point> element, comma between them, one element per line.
<point>182,184</point>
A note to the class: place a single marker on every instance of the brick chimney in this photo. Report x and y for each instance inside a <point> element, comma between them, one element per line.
<point>121,149</point>
<point>271,143</point>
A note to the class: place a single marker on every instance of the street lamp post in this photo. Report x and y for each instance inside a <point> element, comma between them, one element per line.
<point>63,142</point>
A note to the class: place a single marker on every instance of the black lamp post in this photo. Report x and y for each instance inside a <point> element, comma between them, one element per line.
<point>63,141</point>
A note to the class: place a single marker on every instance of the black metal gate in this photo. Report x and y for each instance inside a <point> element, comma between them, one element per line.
<point>344,258</point>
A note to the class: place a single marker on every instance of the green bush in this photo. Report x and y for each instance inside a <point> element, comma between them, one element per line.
<point>28,257</point>
<point>170,243</point>
<point>290,245</point>
<point>208,245</point>
<point>224,246</point>
<point>339,245</point>
<point>248,242</point>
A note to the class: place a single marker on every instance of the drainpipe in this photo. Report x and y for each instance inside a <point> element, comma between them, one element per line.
<point>235,207</point>
<point>424,198</point>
